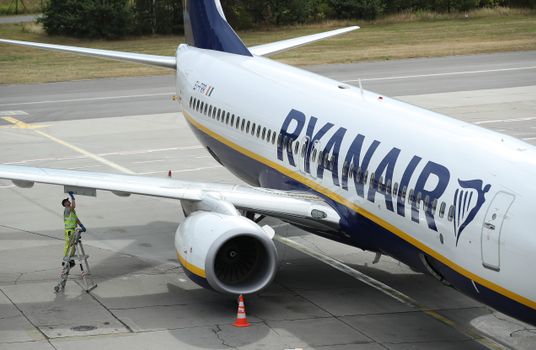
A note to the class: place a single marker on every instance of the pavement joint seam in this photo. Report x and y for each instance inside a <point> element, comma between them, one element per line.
<point>27,318</point>
<point>127,327</point>
<point>31,232</point>
<point>217,332</point>
<point>469,332</point>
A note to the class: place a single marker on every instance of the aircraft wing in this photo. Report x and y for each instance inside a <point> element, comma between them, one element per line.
<point>153,60</point>
<point>300,208</point>
<point>284,45</point>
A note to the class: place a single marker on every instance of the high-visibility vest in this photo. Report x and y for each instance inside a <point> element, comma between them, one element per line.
<point>70,220</point>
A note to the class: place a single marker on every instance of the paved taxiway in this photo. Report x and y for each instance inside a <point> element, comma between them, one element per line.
<point>145,301</point>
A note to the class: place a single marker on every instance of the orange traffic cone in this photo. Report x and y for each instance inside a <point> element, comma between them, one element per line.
<point>241,320</point>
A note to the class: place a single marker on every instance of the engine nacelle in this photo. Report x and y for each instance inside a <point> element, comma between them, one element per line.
<point>230,254</point>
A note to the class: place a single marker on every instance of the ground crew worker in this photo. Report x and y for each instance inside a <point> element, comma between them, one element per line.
<point>70,220</point>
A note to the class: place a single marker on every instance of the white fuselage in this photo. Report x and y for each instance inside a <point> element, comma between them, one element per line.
<point>487,237</point>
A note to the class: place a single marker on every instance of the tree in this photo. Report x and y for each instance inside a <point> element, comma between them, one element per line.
<point>366,9</point>
<point>87,18</point>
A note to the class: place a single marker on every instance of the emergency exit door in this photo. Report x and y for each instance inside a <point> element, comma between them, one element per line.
<point>491,230</point>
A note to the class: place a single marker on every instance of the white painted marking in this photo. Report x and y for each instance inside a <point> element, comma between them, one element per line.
<point>529,138</point>
<point>86,167</point>
<point>145,151</point>
<point>150,161</point>
<point>442,74</point>
<point>84,99</point>
<point>382,287</point>
<point>86,153</point>
<point>13,113</point>
<point>393,293</point>
<point>515,120</point>
<point>181,170</point>
<point>7,186</point>
<point>120,153</point>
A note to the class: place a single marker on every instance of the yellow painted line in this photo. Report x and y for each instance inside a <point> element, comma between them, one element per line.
<point>22,125</point>
<point>341,200</point>
<point>190,267</point>
<point>88,154</point>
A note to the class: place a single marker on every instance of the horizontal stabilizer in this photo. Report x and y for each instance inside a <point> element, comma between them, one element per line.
<point>284,45</point>
<point>152,60</point>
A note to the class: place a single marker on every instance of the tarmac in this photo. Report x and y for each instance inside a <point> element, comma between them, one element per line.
<point>322,297</point>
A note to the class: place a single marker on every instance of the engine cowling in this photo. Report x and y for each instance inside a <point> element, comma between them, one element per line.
<point>230,254</point>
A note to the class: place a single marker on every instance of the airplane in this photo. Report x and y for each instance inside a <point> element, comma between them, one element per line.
<point>445,197</point>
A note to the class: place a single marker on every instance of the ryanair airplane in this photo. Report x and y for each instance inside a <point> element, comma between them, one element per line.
<point>445,197</point>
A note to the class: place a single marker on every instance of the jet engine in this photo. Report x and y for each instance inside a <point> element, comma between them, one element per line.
<point>228,253</point>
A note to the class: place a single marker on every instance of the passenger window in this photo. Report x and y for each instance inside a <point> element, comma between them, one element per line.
<point>326,161</point>
<point>280,140</point>
<point>381,184</point>
<point>451,213</point>
<point>426,202</point>
<point>395,189</point>
<point>268,135</point>
<point>402,194</point>
<point>274,135</point>
<point>410,197</point>
<point>253,129</point>
<point>247,127</point>
<point>345,169</point>
<point>232,120</point>
<point>191,99</point>
<point>197,105</point>
<point>388,187</point>
<point>352,171</point>
<point>227,118</point>
<point>442,209</point>
<point>264,133</point>
<point>243,123</point>
<point>434,206</point>
<point>205,109</point>
<point>365,178</point>
<point>296,147</point>
<point>209,111</point>
<point>418,199</point>
<point>304,147</point>
<point>372,180</point>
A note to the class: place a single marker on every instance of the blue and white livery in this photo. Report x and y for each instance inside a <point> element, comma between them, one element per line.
<point>443,196</point>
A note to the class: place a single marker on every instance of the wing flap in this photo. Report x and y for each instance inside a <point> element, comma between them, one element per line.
<point>290,206</point>
<point>284,45</point>
<point>152,60</point>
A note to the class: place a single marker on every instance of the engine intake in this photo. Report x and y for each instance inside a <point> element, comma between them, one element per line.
<point>232,254</point>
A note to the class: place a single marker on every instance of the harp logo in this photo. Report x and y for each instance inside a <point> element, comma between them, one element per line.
<point>468,199</point>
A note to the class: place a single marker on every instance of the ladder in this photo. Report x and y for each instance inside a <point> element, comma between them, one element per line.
<point>76,253</point>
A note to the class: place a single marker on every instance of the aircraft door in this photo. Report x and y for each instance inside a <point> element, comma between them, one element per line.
<point>491,230</point>
<point>301,157</point>
<point>314,158</point>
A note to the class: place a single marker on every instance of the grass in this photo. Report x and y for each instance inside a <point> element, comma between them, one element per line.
<point>400,36</point>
